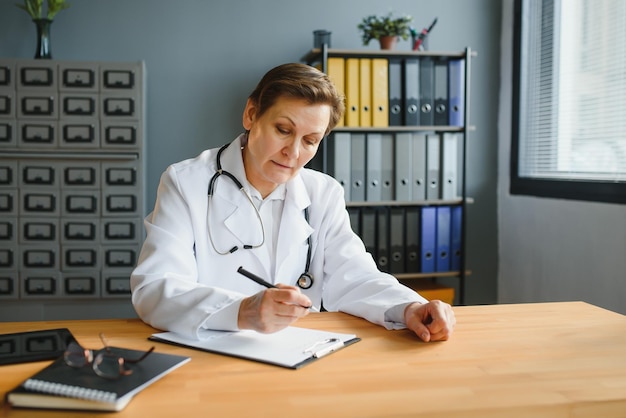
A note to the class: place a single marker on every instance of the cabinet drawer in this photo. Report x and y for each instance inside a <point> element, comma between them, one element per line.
<point>8,173</point>
<point>79,105</point>
<point>8,229</point>
<point>81,203</point>
<point>8,202</point>
<point>39,105</point>
<point>82,284</point>
<point>37,75</point>
<point>120,256</point>
<point>37,134</point>
<point>80,257</point>
<point>39,202</point>
<point>8,257</point>
<point>79,230</point>
<point>81,175</point>
<point>38,230</point>
<point>83,133</point>
<point>39,256</point>
<point>8,284</point>
<point>8,133</point>
<point>79,76</point>
<point>39,284</point>
<point>7,104</point>
<point>116,284</point>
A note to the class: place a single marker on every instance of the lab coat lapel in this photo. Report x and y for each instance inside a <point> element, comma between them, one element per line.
<point>234,219</point>
<point>294,230</point>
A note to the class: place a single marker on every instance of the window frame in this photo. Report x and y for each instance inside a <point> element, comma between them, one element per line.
<point>574,189</point>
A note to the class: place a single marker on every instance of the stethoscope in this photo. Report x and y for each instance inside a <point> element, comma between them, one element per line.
<point>305,280</point>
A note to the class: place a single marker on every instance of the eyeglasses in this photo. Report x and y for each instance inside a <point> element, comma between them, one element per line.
<point>104,362</point>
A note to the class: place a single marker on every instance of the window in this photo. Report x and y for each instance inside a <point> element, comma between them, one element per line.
<point>569,105</point>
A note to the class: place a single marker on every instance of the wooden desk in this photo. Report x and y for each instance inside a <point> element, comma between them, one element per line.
<point>527,360</point>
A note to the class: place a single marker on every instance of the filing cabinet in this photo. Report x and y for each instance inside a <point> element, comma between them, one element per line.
<point>72,186</point>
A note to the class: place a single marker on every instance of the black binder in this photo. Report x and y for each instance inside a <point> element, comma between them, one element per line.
<point>441,116</point>
<point>413,236</point>
<point>426,91</point>
<point>396,240</point>
<point>395,93</point>
<point>411,92</point>
<point>382,238</point>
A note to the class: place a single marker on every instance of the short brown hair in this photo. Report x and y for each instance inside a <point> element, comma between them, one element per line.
<point>298,81</point>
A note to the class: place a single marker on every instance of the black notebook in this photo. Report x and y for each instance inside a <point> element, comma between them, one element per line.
<point>59,386</point>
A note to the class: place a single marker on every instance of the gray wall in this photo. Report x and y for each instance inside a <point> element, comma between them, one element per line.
<point>551,249</point>
<point>204,57</point>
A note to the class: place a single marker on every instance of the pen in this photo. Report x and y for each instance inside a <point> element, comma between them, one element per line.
<point>324,351</point>
<point>255,278</point>
<point>422,35</point>
<point>260,281</point>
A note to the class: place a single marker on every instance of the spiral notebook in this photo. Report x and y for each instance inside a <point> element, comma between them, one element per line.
<point>59,386</point>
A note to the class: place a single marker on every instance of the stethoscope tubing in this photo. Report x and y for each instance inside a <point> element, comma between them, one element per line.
<point>305,281</point>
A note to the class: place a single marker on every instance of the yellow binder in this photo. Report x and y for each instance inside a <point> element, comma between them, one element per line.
<point>336,72</point>
<point>365,98</point>
<point>352,92</point>
<point>380,92</point>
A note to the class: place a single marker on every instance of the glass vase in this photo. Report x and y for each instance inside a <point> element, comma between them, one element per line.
<point>43,39</point>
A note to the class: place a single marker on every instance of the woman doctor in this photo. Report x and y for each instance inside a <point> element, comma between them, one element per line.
<point>252,204</point>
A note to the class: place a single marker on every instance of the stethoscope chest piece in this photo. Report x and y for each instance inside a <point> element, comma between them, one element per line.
<point>305,281</point>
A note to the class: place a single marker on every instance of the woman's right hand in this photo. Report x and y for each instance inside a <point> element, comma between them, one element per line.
<point>273,309</point>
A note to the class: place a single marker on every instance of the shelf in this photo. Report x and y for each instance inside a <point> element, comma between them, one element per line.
<point>440,128</point>
<point>404,276</point>
<point>447,202</point>
<point>403,128</point>
<point>316,53</point>
<point>56,154</point>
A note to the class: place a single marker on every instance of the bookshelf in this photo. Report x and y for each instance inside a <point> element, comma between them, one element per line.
<point>400,154</point>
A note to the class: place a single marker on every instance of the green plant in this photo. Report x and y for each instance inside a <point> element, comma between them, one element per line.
<point>375,27</point>
<point>35,8</point>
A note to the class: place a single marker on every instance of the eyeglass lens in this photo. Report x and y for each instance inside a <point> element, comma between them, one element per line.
<point>105,363</point>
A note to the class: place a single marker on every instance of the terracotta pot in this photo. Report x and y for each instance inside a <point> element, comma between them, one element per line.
<point>388,42</point>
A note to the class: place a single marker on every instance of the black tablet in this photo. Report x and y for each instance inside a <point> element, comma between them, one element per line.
<point>23,347</point>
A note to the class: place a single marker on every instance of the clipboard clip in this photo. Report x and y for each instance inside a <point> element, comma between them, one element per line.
<point>331,344</point>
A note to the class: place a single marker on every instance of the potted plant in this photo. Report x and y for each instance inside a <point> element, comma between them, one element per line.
<point>42,21</point>
<point>35,8</point>
<point>386,29</point>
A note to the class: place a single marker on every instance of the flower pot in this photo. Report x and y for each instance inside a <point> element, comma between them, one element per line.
<point>388,42</point>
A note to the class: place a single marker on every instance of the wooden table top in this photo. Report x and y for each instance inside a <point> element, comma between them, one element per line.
<point>525,360</point>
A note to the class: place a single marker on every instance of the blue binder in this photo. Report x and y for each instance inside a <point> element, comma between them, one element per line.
<point>442,262</point>
<point>456,238</point>
<point>428,243</point>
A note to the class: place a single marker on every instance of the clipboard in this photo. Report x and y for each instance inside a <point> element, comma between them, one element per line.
<point>291,347</point>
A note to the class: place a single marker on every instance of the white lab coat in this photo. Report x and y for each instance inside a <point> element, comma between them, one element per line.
<point>181,284</point>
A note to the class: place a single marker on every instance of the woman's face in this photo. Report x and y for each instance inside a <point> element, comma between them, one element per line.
<point>281,141</point>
